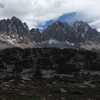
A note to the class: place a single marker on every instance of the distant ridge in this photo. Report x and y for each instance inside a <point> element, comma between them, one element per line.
<point>56,33</point>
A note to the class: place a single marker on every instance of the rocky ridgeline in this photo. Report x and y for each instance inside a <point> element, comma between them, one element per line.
<point>15,33</point>
<point>13,25</point>
<point>28,64</point>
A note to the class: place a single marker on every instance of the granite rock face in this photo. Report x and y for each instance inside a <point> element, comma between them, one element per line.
<point>28,64</point>
<point>64,35</point>
<point>35,35</point>
<point>15,33</point>
<point>84,32</point>
<point>13,25</point>
<point>76,33</point>
<point>57,35</point>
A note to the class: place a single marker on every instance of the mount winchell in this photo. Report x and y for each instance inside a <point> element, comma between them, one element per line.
<point>15,33</point>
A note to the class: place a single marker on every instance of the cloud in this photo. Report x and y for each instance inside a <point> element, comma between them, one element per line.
<point>1,5</point>
<point>35,11</point>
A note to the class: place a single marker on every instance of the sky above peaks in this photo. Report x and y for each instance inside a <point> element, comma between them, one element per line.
<point>36,11</point>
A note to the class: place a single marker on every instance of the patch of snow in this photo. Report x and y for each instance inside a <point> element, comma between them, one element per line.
<point>69,43</point>
<point>52,41</point>
<point>7,38</point>
<point>12,41</point>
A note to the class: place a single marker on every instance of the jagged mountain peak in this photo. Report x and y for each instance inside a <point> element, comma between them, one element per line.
<point>78,32</point>
<point>15,18</point>
<point>57,34</point>
<point>15,32</point>
<point>81,24</point>
<point>69,18</point>
<point>13,25</point>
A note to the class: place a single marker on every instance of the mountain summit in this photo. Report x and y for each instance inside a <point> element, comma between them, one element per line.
<point>14,32</point>
<point>60,34</point>
<point>69,18</point>
<point>13,25</point>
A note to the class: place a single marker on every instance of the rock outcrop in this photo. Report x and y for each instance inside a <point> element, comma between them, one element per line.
<point>28,64</point>
<point>14,32</point>
<point>58,34</point>
<point>13,25</point>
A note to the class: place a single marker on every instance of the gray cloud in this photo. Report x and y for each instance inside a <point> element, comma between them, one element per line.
<point>35,11</point>
<point>1,5</point>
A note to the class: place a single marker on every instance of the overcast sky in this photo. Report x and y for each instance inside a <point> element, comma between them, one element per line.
<point>35,11</point>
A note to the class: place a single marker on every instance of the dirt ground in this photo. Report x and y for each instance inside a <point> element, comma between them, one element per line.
<point>49,90</point>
